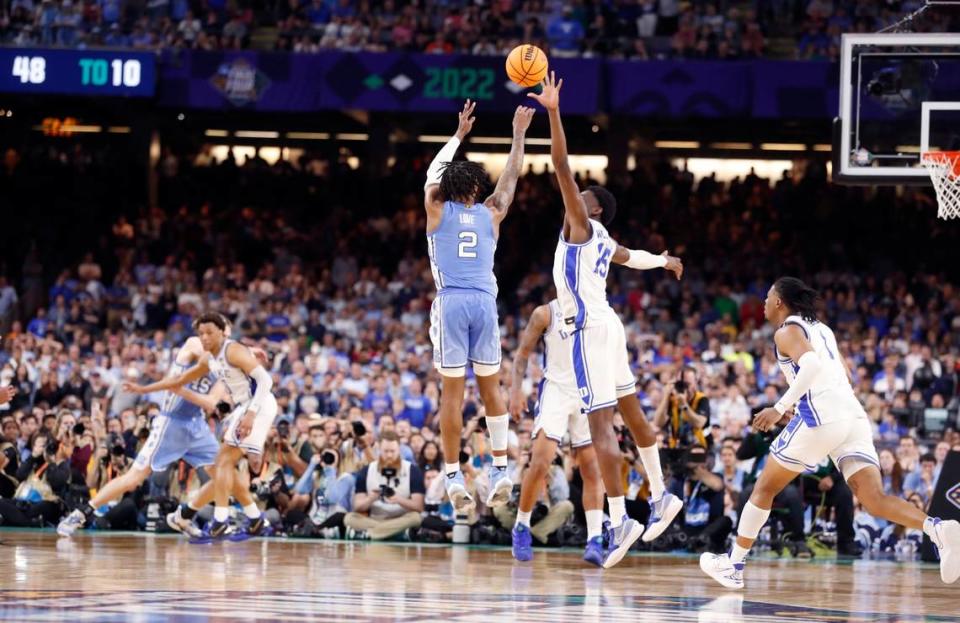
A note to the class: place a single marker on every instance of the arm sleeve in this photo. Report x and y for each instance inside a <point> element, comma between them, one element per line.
<point>416,481</point>
<point>642,260</point>
<point>361,486</point>
<point>264,384</point>
<point>809,369</point>
<point>445,154</point>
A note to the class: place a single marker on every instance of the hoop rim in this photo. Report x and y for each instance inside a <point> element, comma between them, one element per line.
<point>949,160</point>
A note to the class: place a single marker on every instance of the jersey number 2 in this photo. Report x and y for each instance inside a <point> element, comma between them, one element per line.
<point>468,242</point>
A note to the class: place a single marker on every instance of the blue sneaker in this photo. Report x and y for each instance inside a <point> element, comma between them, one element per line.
<point>251,528</point>
<point>619,541</point>
<point>457,492</point>
<point>213,531</point>
<point>522,543</point>
<point>594,551</point>
<point>501,487</point>
<point>662,514</point>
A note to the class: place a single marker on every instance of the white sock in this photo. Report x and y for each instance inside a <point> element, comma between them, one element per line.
<point>451,469</point>
<point>499,427</point>
<point>618,510</point>
<point>523,518</point>
<point>929,528</point>
<point>221,513</point>
<point>594,522</point>
<point>251,510</point>
<point>650,457</point>
<point>500,461</point>
<point>738,554</point>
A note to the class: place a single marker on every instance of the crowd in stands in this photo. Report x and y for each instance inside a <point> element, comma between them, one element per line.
<point>327,272</point>
<point>633,29</point>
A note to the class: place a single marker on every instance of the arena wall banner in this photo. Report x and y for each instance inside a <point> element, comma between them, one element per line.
<point>946,500</point>
<point>288,82</point>
<point>767,89</point>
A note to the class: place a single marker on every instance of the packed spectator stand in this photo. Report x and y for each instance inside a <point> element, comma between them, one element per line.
<point>632,29</point>
<point>327,272</point>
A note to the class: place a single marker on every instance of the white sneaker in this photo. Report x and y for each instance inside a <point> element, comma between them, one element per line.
<point>71,523</point>
<point>501,487</point>
<point>719,567</point>
<point>947,541</point>
<point>459,497</point>
<point>662,514</point>
<point>184,526</point>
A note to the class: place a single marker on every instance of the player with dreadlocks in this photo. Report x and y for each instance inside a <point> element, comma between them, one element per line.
<point>462,239</point>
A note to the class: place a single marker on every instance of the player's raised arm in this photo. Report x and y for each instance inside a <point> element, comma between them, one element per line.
<point>431,189</point>
<point>536,326</point>
<point>643,260</point>
<point>502,195</point>
<point>171,382</point>
<point>576,216</point>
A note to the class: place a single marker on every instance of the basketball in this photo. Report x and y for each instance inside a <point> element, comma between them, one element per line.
<point>527,65</point>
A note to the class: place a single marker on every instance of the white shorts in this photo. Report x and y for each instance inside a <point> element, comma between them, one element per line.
<point>601,365</point>
<point>254,441</point>
<point>558,412</point>
<point>849,443</point>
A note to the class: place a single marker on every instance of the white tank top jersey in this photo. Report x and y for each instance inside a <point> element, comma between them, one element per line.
<point>557,356</point>
<point>236,380</point>
<point>580,276</point>
<point>831,397</point>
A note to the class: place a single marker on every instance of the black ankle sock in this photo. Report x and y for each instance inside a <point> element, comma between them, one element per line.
<point>186,512</point>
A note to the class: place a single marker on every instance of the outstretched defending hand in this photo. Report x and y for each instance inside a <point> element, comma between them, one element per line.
<point>521,120</point>
<point>674,264</point>
<point>466,120</point>
<point>549,98</point>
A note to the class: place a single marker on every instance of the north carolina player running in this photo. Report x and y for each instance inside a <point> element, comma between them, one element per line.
<point>828,422</point>
<point>600,361</point>
<point>179,432</point>
<point>247,425</point>
<point>462,239</point>
<point>558,412</point>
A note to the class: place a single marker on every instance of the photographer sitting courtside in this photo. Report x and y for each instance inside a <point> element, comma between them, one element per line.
<point>111,461</point>
<point>684,413</point>
<point>389,494</point>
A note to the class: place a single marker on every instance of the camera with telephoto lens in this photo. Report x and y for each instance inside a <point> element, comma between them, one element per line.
<point>359,429</point>
<point>386,491</point>
<point>223,409</point>
<point>680,386</point>
<point>329,457</point>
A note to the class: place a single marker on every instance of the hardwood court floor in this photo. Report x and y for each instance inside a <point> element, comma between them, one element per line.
<point>146,578</point>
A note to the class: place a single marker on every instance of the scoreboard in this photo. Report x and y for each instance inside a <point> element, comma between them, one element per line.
<point>78,72</point>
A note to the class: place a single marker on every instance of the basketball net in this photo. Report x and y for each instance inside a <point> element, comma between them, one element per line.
<point>944,169</point>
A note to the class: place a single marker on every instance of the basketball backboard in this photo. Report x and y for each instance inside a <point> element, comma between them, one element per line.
<point>899,97</point>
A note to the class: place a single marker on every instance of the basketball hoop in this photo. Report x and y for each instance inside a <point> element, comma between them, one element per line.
<point>944,169</point>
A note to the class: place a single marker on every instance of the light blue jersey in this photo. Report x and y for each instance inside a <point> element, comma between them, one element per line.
<point>462,248</point>
<point>179,408</point>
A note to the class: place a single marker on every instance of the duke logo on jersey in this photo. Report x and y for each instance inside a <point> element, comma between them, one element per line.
<point>463,319</point>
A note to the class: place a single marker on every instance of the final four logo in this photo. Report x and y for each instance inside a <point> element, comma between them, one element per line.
<point>953,495</point>
<point>239,81</point>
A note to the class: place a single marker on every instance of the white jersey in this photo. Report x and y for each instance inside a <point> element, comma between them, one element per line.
<point>236,380</point>
<point>580,276</point>
<point>557,356</point>
<point>831,397</point>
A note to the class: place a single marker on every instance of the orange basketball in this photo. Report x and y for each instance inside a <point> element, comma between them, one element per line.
<point>527,65</point>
